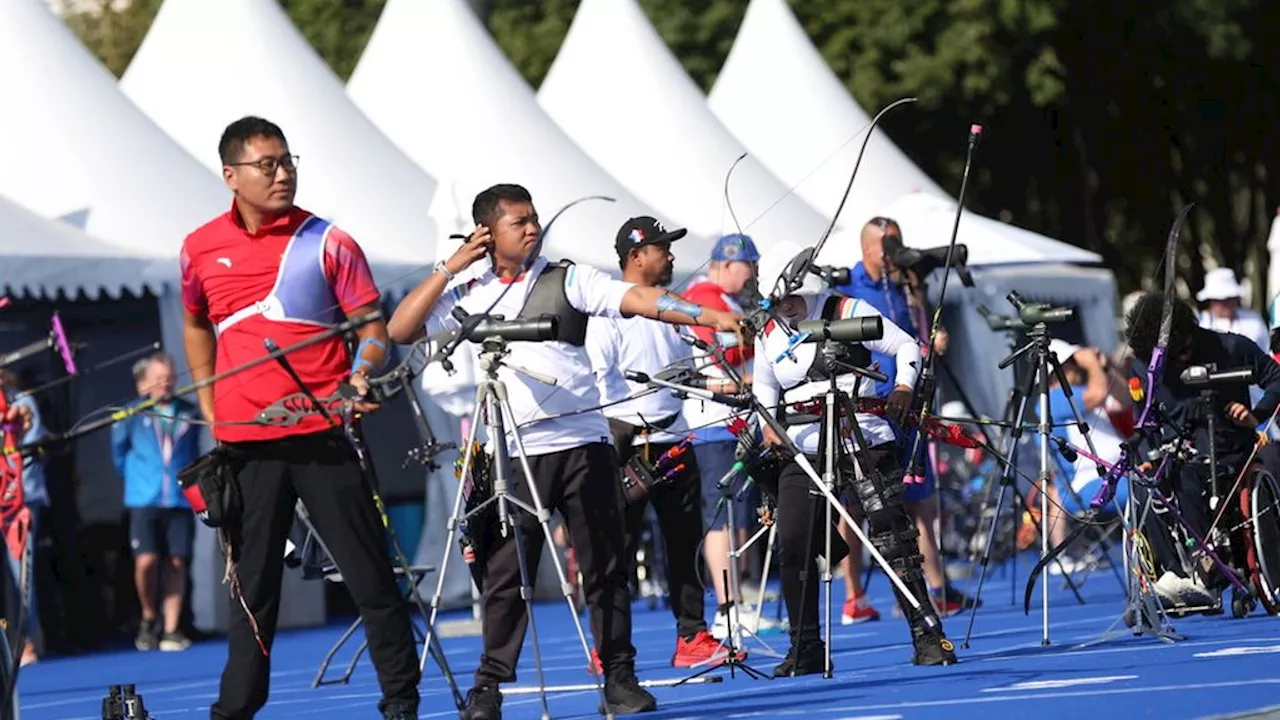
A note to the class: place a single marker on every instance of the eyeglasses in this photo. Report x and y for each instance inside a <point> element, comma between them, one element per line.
<point>269,165</point>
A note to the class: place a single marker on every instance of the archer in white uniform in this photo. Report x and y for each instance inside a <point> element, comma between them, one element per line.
<point>565,435</point>
<point>650,430</point>
<point>787,374</point>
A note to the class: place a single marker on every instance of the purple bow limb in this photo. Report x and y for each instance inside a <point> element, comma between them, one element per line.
<point>64,348</point>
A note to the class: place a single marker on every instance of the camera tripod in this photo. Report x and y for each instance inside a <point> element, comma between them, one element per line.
<point>824,483</point>
<point>1043,363</point>
<point>737,630</point>
<point>493,410</point>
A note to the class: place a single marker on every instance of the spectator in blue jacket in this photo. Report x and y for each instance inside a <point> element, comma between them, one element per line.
<point>149,449</point>
<point>876,281</point>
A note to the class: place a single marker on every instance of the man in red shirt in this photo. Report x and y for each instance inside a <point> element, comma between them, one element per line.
<point>269,270</point>
<point>733,266</point>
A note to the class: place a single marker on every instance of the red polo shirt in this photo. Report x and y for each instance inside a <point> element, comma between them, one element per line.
<point>226,268</point>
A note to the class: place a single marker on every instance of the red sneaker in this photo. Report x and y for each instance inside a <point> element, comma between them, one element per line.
<point>702,649</point>
<point>857,610</point>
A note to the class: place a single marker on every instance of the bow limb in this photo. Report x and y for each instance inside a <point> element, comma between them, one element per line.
<point>1146,418</point>
<point>848,188</point>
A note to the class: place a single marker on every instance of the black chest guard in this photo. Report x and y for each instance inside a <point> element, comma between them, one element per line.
<point>547,297</point>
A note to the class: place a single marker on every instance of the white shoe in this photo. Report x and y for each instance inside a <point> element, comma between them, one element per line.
<point>1174,590</point>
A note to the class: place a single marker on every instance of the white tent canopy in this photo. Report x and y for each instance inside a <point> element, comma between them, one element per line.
<point>621,95</point>
<point>73,146</point>
<point>204,64</point>
<point>46,258</point>
<point>445,121</point>
<point>777,95</point>
<point>927,222</point>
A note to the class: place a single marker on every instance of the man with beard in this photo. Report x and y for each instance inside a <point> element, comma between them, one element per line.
<point>652,427</point>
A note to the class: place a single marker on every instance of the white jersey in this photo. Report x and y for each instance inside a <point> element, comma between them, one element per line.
<point>616,345</point>
<point>782,378</point>
<point>550,418</point>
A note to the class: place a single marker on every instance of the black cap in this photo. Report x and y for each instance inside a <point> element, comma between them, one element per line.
<point>644,230</point>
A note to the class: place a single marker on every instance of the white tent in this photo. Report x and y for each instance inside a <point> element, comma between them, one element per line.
<point>73,146</point>
<point>777,94</point>
<point>470,120</point>
<point>46,258</point>
<point>779,97</point>
<point>619,92</point>
<point>927,221</point>
<point>204,64</point>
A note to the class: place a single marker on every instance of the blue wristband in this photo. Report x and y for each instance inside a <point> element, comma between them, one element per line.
<point>359,363</point>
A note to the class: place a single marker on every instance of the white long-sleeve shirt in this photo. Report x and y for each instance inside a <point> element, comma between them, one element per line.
<point>541,410</point>
<point>785,379</point>
<point>616,345</point>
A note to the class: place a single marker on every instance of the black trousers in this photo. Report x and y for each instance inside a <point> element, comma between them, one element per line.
<point>801,518</point>
<point>323,471</point>
<point>1189,487</point>
<point>581,483</point>
<point>678,505</point>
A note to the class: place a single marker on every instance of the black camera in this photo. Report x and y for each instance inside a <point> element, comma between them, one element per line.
<point>1034,313</point>
<point>924,262</point>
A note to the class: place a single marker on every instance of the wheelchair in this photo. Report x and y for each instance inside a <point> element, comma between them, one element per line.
<point>1246,535</point>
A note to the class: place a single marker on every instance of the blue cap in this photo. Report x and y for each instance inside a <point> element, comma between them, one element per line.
<point>735,247</point>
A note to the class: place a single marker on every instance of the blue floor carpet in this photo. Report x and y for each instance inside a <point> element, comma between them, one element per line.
<point>1006,672</point>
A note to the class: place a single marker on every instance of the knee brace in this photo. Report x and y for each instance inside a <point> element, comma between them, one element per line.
<point>880,499</point>
<point>901,551</point>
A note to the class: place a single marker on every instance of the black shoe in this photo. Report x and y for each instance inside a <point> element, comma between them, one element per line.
<point>625,696</point>
<point>484,702</point>
<point>148,635</point>
<point>400,711</point>
<point>932,648</point>
<point>810,659</point>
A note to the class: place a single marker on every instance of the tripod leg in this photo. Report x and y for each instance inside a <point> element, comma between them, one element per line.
<point>543,516</point>
<point>454,517</point>
<point>1006,481</point>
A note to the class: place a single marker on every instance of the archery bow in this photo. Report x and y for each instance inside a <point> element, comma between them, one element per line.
<point>119,414</point>
<point>1146,419</point>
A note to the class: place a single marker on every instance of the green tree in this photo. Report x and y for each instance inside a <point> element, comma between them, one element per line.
<point>337,29</point>
<point>111,33</point>
<point>1102,118</point>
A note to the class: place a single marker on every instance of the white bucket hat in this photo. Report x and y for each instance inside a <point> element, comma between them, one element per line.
<point>1220,284</point>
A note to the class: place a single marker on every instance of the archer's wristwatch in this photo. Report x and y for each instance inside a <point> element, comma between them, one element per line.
<point>444,270</point>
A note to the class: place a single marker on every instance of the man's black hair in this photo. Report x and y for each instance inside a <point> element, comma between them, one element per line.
<point>1144,319</point>
<point>240,132</point>
<point>487,207</point>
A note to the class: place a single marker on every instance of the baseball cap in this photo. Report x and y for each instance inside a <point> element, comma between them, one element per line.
<point>735,247</point>
<point>644,230</point>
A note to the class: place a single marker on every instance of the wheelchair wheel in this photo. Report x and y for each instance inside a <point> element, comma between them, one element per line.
<point>1260,506</point>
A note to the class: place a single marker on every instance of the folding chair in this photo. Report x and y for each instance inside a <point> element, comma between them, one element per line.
<point>307,550</point>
